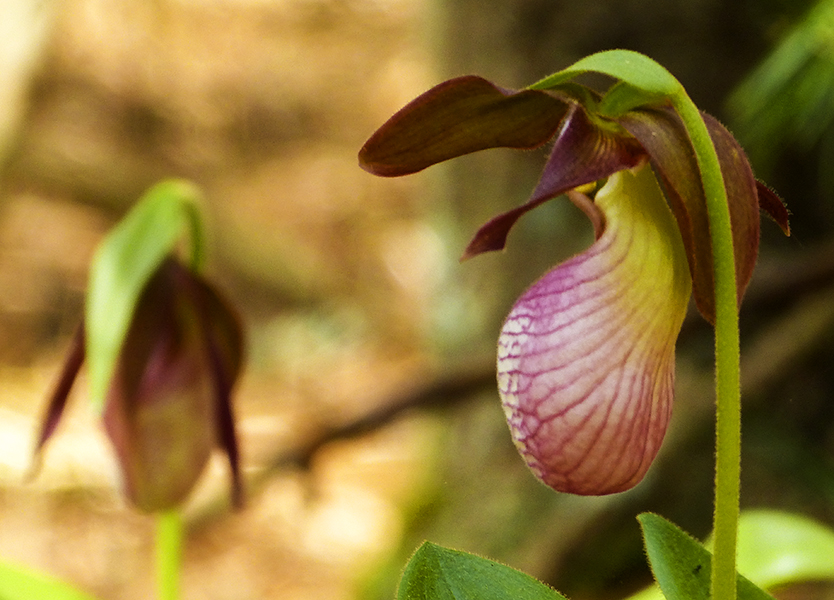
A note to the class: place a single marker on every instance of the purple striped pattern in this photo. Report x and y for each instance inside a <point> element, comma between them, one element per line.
<point>586,358</point>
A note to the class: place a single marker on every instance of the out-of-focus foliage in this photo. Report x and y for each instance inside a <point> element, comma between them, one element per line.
<point>22,583</point>
<point>783,113</point>
<point>789,97</point>
<point>775,549</point>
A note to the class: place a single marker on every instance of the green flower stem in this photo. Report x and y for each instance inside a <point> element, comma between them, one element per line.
<point>727,355</point>
<point>169,535</point>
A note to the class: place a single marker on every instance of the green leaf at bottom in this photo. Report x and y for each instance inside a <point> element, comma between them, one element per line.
<point>778,548</point>
<point>681,565</point>
<point>23,583</point>
<point>437,573</point>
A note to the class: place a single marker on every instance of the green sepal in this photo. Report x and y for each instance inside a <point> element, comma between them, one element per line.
<point>638,70</point>
<point>123,264</point>
<point>623,97</point>
<point>437,573</point>
<point>681,565</point>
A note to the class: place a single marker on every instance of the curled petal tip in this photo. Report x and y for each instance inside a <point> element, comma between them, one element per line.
<point>586,356</point>
<point>771,204</point>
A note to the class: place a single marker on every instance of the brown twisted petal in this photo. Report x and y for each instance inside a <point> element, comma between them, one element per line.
<point>58,399</point>
<point>224,343</point>
<point>584,151</point>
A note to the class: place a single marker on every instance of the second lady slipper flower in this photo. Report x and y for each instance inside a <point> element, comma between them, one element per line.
<point>168,404</point>
<point>167,401</point>
<point>586,356</point>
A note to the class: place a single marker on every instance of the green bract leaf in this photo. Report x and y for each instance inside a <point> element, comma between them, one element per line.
<point>638,70</point>
<point>437,573</point>
<point>623,97</point>
<point>681,565</point>
<point>23,583</point>
<point>777,548</point>
<point>124,263</point>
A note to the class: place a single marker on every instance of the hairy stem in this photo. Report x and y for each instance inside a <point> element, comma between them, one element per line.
<point>727,355</point>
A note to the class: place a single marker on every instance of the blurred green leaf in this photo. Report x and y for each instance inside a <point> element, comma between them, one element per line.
<point>788,96</point>
<point>438,573</point>
<point>122,265</point>
<point>777,548</point>
<point>681,565</point>
<point>23,583</point>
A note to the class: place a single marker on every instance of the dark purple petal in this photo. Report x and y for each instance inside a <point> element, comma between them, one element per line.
<point>585,151</point>
<point>224,345</point>
<point>662,134</point>
<point>457,117</point>
<point>771,204</point>
<point>159,411</point>
<point>226,432</point>
<point>169,403</point>
<point>58,400</point>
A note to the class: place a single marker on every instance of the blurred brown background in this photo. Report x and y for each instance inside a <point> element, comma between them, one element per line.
<point>368,415</point>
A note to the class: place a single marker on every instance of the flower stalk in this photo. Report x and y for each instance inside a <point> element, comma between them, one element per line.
<point>727,356</point>
<point>169,538</point>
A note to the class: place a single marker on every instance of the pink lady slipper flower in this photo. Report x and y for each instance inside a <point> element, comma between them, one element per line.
<point>586,357</point>
<point>169,402</point>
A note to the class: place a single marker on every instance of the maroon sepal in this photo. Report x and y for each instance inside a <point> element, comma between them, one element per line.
<point>224,344</point>
<point>772,205</point>
<point>457,117</point>
<point>664,137</point>
<point>58,400</point>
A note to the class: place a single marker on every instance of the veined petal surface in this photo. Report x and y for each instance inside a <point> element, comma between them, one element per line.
<point>586,358</point>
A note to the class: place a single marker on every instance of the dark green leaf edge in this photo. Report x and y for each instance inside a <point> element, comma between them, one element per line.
<point>681,565</point>
<point>438,573</point>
